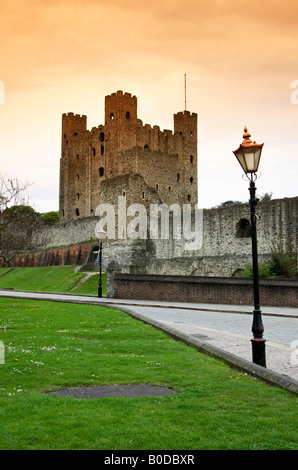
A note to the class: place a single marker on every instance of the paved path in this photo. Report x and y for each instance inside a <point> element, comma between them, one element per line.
<point>227,327</point>
<point>231,332</point>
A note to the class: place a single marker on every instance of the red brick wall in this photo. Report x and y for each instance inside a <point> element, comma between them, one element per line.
<point>236,291</point>
<point>55,256</point>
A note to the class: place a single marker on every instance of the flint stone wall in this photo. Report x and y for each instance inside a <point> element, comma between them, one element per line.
<point>225,250</point>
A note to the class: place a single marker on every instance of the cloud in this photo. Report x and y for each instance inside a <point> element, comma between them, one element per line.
<point>61,56</point>
<point>69,37</point>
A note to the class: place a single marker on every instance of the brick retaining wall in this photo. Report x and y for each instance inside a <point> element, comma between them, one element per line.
<point>81,254</point>
<point>273,292</point>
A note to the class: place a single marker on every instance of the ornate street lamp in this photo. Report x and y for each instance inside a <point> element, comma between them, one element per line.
<point>248,155</point>
<point>101,236</point>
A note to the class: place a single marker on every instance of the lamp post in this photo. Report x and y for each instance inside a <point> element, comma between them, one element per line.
<point>101,237</point>
<point>248,155</point>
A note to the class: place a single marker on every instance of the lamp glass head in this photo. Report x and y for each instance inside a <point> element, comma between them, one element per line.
<point>101,234</point>
<point>248,154</point>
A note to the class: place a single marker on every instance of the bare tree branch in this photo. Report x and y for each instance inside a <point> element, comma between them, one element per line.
<point>12,192</point>
<point>18,221</point>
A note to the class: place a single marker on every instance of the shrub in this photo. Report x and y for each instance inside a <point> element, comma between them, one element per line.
<point>264,270</point>
<point>283,259</point>
<point>51,217</point>
<point>282,262</point>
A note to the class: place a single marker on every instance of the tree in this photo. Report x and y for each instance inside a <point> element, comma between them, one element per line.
<point>12,192</point>
<point>227,204</point>
<point>51,217</point>
<point>265,197</point>
<point>18,220</point>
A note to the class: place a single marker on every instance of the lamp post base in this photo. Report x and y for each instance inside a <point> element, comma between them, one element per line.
<point>258,351</point>
<point>99,291</point>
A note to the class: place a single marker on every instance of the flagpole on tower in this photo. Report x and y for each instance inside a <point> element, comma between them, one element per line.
<point>185,91</point>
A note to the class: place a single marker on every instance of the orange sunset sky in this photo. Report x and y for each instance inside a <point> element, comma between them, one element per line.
<point>240,57</point>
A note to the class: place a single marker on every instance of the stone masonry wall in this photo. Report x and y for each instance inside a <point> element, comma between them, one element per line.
<point>225,250</point>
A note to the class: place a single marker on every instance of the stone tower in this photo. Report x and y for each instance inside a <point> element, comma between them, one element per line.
<point>121,120</point>
<point>185,125</point>
<point>164,162</point>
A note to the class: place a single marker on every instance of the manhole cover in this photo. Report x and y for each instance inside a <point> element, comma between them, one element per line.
<point>131,391</point>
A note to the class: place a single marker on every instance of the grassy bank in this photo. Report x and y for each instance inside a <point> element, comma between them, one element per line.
<point>51,345</point>
<point>50,279</point>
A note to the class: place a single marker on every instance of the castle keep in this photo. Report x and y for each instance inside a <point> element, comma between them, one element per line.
<point>125,157</point>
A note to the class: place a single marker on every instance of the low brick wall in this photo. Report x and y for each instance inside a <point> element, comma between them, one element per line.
<point>217,290</point>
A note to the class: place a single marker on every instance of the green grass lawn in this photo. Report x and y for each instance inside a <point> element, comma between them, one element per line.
<point>50,345</point>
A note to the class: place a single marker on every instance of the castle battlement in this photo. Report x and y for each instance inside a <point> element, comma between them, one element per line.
<point>120,93</point>
<point>72,115</point>
<point>185,113</point>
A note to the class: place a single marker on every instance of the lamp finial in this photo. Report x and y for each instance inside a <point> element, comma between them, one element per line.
<point>246,137</point>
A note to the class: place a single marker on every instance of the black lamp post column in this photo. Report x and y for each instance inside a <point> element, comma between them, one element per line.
<point>101,236</point>
<point>258,342</point>
<point>100,265</point>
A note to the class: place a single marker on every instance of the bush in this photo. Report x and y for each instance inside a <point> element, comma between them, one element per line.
<point>264,270</point>
<point>283,259</point>
<point>51,217</point>
<point>282,262</point>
